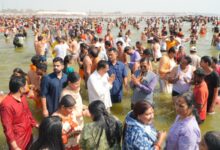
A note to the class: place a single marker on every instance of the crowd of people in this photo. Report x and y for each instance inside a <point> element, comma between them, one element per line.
<point>108,65</point>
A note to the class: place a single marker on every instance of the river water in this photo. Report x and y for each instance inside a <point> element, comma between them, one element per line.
<point>164,111</point>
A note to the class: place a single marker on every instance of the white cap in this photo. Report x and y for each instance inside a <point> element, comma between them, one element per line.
<point>193,48</point>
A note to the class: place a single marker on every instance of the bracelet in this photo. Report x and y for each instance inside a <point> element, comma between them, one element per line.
<point>157,145</point>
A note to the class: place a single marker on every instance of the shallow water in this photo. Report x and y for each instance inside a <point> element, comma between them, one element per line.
<point>164,110</point>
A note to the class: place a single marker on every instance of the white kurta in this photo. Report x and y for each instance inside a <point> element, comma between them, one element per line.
<point>99,88</point>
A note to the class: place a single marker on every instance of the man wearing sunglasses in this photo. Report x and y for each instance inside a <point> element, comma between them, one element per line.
<point>143,82</point>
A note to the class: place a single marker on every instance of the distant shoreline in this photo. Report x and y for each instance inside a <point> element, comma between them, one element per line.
<point>102,14</point>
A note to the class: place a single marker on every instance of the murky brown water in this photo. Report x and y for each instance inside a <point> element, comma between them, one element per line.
<point>164,111</point>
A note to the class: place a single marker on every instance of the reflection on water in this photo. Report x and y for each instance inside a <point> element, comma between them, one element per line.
<point>164,111</point>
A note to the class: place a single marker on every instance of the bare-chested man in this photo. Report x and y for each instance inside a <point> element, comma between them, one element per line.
<point>74,47</point>
<point>39,44</point>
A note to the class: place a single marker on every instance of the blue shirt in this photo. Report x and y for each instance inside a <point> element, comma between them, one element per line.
<point>120,72</point>
<point>51,88</point>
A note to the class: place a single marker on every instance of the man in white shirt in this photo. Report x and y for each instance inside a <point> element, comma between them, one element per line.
<point>61,48</point>
<point>99,84</point>
<point>195,58</point>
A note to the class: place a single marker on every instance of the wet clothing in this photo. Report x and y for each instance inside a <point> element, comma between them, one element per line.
<point>18,40</point>
<point>201,93</point>
<point>181,86</point>
<point>212,81</point>
<point>119,69</point>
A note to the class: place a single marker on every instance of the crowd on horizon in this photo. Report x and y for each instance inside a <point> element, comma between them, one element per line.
<point>107,65</point>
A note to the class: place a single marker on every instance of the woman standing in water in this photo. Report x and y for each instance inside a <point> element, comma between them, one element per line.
<point>139,132</point>
<point>185,133</point>
<point>104,133</point>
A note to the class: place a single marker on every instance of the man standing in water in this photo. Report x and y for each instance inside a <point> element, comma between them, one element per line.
<point>212,81</point>
<point>51,87</point>
<point>119,69</point>
<point>143,82</point>
<point>16,116</point>
<point>40,45</point>
<point>99,84</point>
<point>134,58</point>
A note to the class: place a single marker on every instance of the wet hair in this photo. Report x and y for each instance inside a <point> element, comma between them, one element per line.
<point>93,51</point>
<point>212,140</point>
<point>207,59</point>
<point>102,64</point>
<point>108,43</point>
<point>95,39</point>
<point>42,66</point>
<point>35,60</point>
<point>106,122</point>
<point>16,82</point>
<point>67,101</point>
<point>58,59</point>
<point>40,38</point>
<point>73,77</point>
<point>141,107</point>
<point>67,60</point>
<point>50,135</point>
<point>172,50</point>
<point>189,99</point>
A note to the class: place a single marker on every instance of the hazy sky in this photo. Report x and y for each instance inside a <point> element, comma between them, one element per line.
<point>203,6</point>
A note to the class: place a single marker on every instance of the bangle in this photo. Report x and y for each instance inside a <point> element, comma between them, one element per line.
<point>157,145</point>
